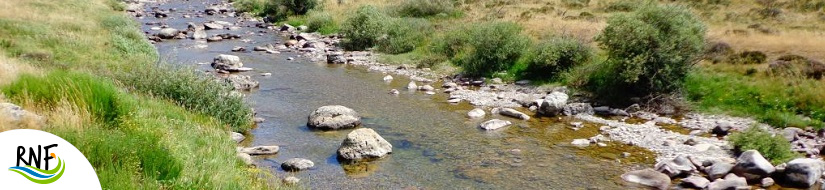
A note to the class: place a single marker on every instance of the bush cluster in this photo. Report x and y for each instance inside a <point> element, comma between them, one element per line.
<point>485,48</point>
<point>276,10</point>
<point>649,51</point>
<point>773,147</point>
<point>558,54</point>
<point>425,8</point>
<point>321,22</point>
<point>403,35</point>
<point>362,30</point>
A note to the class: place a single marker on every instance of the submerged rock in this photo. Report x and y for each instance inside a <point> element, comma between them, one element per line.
<point>364,143</point>
<point>333,117</point>
<point>168,33</point>
<point>578,108</point>
<point>260,150</point>
<point>510,112</point>
<point>241,82</point>
<point>648,177</point>
<point>494,124</point>
<point>297,164</point>
<point>476,113</point>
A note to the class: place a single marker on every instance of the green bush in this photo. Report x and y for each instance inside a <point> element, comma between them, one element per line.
<point>403,35</point>
<point>649,51</point>
<point>300,7</point>
<point>576,3</point>
<point>99,96</point>
<point>748,57</point>
<point>321,22</point>
<point>361,31</point>
<point>485,48</point>
<point>276,10</point>
<point>193,91</point>
<point>425,8</point>
<point>622,6</point>
<point>555,55</point>
<point>773,147</point>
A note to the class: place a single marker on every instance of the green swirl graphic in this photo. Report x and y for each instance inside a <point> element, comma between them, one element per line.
<point>60,167</point>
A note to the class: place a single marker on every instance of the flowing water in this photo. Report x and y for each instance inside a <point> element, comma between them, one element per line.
<point>434,145</point>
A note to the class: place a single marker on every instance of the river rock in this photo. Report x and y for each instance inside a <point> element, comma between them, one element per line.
<point>245,158</point>
<point>679,166</point>
<point>241,82</point>
<point>698,182</point>
<point>553,103</point>
<point>227,62</point>
<point>722,128</point>
<point>577,108</point>
<point>214,39</point>
<point>648,177</point>
<point>336,58</point>
<point>752,165</point>
<point>333,117</point>
<point>580,142</point>
<point>297,164</point>
<point>387,78</point>
<point>364,143</point>
<point>802,172</point>
<point>168,33</point>
<point>449,85</point>
<point>199,35</point>
<point>412,85</point>
<point>731,181</point>
<point>718,170</point>
<point>261,150</point>
<point>11,114</point>
<point>510,112</point>
<point>494,124</point>
<point>237,137</point>
<point>476,113</point>
<point>767,182</point>
<point>291,180</point>
<point>213,26</point>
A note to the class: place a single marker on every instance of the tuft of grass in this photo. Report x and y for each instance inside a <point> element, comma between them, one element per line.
<point>773,147</point>
<point>321,22</point>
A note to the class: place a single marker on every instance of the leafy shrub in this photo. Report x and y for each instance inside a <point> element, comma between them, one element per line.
<point>274,10</point>
<point>556,55</point>
<point>192,91</point>
<point>424,8</point>
<point>748,57</point>
<point>649,51</point>
<point>300,7</point>
<point>485,48</point>
<point>774,148</point>
<point>361,31</point>
<point>99,96</point>
<point>622,6</point>
<point>403,35</point>
<point>321,22</point>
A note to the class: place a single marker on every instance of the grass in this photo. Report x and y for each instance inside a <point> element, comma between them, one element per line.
<point>88,70</point>
<point>773,147</point>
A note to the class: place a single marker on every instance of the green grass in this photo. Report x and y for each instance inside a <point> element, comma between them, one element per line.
<point>774,148</point>
<point>778,101</point>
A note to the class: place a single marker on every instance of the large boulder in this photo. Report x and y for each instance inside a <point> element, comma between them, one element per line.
<point>648,177</point>
<point>730,182</point>
<point>752,166</point>
<point>494,124</point>
<point>679,166</point>
<point>333,117</point>
<point>364,143</point>
<point>553,103</point>
<point>802,172</point>
<point>578,108</point>
<point>227,62</point>
<point>241,82</point>
<point>168,33</point>
<point>297,164</point>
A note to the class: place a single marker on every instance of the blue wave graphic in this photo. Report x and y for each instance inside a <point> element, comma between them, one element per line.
<point>31,172</point>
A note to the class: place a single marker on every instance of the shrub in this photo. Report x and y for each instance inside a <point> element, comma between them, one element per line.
<point>556,55</point>
<point>424,8</point>
<point>649,51</point>
<point>576,3</point>
<point>622,6</point>
<point>748,57</point>
<point>403,35</point>
<point>774,147</point>
<point>485,48</point>
<point>363,29</point>
<point>321,22</point>
<point>192,91</point>
<point>300,7</point>
<point>274,10</point>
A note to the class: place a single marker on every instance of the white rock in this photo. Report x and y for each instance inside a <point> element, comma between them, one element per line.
<point>494,124</point>
<point>580,142</point>
<point>476,113</point>
<point>388,78</point>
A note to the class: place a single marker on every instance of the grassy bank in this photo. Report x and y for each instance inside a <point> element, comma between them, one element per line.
<point>87,69</point>
<point>562,47</point>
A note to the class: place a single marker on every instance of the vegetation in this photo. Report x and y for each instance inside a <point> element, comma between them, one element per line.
<point>649,51</point>
<point>425,8</point>
<point>403,35</point>
<point>363,29</point>
<point>276,10</point>
<point>556,55</point>
<point>485,48</point>
<point>94,76</point>
<point>773,147</point>
<point>321,22</point>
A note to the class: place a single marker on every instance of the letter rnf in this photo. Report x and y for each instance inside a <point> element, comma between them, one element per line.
<point>35,158</point>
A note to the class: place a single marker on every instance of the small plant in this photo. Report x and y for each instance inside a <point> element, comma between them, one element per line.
<point>321,22</point>
<point>748,57</point>
<point>425,8</point>
<point>485,48</point>
<point>774,147</point>
<point>556,55</point>
<point>362,30</point>
<point>649,51</point>
<point>403,35</point>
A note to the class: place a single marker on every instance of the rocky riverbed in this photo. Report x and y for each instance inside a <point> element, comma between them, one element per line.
<point>447,131</point>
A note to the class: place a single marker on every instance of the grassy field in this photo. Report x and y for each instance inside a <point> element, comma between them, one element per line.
<point>86,68</point>
<point>774,27</point>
